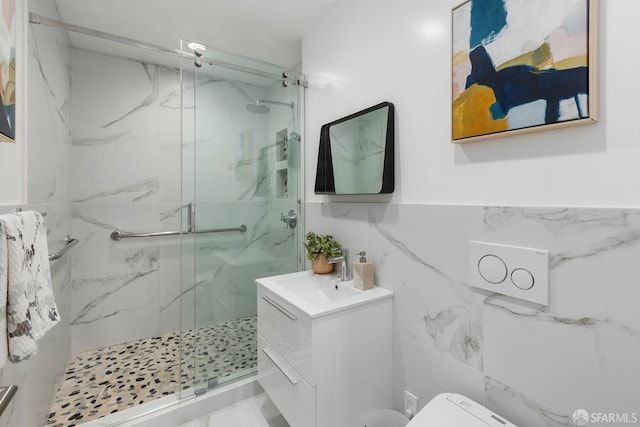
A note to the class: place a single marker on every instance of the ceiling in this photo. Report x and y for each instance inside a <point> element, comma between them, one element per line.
<point>267,30</point>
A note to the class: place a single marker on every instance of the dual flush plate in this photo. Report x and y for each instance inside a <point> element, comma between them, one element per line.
<point>510,270</point>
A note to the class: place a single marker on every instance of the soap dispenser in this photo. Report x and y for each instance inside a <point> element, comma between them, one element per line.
<point>363,272</point>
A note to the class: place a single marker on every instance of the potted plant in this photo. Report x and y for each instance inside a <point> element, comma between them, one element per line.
<point>319,248</point>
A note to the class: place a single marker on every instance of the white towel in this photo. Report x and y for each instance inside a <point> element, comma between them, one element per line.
<point>31,309</point>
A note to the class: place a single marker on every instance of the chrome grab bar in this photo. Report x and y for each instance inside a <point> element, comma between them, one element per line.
<point>6,394</point>
<point>70,242</point>
<point>118,235</point>
<point>280,308</point>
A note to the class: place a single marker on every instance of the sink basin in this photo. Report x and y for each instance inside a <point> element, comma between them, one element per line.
<point>320,294</point>
<point>317,288</point>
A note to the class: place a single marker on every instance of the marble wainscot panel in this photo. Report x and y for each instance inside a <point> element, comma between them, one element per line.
<point>583,350</point>
<point>535,365</point>
<point>435,306</point>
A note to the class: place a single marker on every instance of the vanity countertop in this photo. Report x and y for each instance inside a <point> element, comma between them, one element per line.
<point>320,294</point>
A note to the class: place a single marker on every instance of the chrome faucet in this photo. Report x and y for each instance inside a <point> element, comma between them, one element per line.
<point>345,271</point>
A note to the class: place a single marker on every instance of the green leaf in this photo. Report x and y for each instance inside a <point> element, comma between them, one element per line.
<point>325,244</point>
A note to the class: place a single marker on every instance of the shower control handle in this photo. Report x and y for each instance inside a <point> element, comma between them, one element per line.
<point>291,219</point>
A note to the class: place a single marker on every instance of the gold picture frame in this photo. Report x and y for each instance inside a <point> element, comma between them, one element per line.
<point>8,21</point>
<point>521,67</point>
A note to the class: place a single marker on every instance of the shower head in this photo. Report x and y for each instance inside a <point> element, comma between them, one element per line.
<point>260,108</point>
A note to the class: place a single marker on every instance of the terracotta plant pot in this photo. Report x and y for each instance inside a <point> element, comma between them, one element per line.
<point>320,265</point>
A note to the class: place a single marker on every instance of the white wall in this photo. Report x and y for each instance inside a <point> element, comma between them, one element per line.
<point>13,170</point>
<point>534,365</point>
<point>366,51</point>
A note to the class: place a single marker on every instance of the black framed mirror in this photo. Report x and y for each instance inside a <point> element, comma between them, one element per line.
<point>356,153</point>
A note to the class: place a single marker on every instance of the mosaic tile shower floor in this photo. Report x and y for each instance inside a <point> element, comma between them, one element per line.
<point>111,379</point>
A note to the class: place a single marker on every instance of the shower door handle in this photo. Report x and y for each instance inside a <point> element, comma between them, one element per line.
<point>191,218</point>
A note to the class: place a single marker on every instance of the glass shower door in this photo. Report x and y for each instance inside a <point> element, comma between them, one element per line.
<point>242,154</point>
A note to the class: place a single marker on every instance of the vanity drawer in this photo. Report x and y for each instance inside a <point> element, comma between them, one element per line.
<point>288,330</point>
<point>291,394</point>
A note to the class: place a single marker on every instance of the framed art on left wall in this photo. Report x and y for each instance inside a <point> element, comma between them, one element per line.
<point>7,70</point>
<point>13,90</point>
<point>523,66</point>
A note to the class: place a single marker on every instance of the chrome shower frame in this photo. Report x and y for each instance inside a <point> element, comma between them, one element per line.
<point>35,18</point>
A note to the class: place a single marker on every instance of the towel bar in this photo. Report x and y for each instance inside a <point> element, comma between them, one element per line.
<point>21,210</point>
<point>6,394</point>
<point>118,235</point>
<point>70,242</point>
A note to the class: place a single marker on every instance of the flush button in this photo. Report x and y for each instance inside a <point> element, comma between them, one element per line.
<point>515,271</point>
<point>492,269</point>
<point>522,279</point>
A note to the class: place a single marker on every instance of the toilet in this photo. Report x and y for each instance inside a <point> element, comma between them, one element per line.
<point>455,410</point>
<point>444,410</point>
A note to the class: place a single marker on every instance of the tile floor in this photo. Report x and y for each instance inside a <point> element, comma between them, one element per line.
<point>257,411</point>
<point>100,382</point>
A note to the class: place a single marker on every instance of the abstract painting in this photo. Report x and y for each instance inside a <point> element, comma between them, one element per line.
<point>7,70</point>
<point>522,66</point>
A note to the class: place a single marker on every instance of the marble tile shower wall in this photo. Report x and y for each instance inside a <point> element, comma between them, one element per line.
<point>227,264</point>
<point>536,367</point>
<point>127,156</point>
<point>235,169</point>
<point>126,175</point>
<point>49,139</point>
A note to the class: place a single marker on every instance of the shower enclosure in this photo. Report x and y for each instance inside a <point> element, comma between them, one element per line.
<point>241,185</point>
<point>186,187</point>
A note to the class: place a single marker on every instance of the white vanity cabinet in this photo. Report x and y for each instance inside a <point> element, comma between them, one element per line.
<point>324,362</point>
